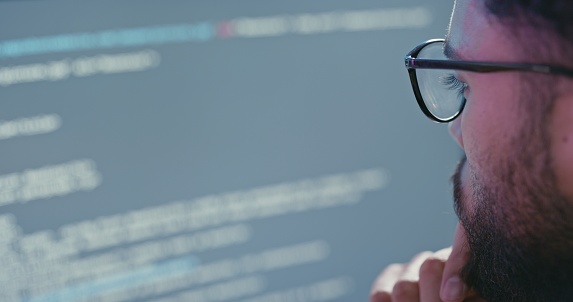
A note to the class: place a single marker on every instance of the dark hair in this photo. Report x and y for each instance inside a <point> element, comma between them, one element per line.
<point>556,14</point>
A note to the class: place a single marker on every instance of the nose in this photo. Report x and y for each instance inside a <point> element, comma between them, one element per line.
<point>455,128</point>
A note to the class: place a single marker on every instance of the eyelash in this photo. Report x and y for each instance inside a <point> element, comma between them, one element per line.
<point>452,83</point>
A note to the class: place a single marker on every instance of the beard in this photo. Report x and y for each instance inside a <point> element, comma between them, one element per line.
<point>518,225</point>
<point>520,249</point>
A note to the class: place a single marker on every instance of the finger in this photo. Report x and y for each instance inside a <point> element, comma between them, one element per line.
<point>412,270</point>
<point>431,279</point>
<point>386,280</point>
<point>381,297</point>
<point>443,254</point>
<point>453,288</point>
<point>406,291</point>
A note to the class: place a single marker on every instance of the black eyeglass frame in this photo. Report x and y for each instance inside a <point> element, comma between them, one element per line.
<point>413,63</point>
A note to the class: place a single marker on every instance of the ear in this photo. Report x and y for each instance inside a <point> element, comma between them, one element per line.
<point>561,134</point>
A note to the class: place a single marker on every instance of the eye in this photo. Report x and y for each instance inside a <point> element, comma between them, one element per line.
<point>452,83</point>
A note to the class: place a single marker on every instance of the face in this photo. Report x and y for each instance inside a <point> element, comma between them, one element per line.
<point>512,191</point>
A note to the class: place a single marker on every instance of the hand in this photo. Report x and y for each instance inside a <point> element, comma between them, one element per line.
<point>428,277</point>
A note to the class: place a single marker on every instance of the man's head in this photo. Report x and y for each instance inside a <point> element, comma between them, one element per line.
<point>514,193</point>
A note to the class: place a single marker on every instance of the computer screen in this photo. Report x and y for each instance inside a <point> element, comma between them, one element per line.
<point>215,150</point>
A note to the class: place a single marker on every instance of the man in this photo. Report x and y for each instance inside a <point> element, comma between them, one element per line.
<point>513,191</point>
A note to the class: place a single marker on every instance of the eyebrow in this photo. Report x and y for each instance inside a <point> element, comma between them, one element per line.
<point>449,52</point>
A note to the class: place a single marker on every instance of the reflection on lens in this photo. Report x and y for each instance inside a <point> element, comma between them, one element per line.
<point>441,91</point>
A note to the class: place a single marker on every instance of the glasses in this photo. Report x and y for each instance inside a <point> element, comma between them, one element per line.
<point>438,91</point>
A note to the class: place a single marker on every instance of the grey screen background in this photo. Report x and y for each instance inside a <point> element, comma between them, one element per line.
<point>215,150</point>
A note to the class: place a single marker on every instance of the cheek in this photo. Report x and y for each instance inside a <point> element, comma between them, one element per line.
<point>561,129</point>
<point>467,194</point>
<point>489,121</point>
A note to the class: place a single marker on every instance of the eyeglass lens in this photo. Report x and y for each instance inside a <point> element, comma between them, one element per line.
<point>441,91</point>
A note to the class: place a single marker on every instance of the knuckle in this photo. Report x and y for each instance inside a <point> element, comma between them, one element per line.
<point>391,272</point>
<point>404,289</point>
<point>381,297</point>
<point>443,253</point>
<point>422,255</point>
<point>386,280</point>
<point>431,267</point>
